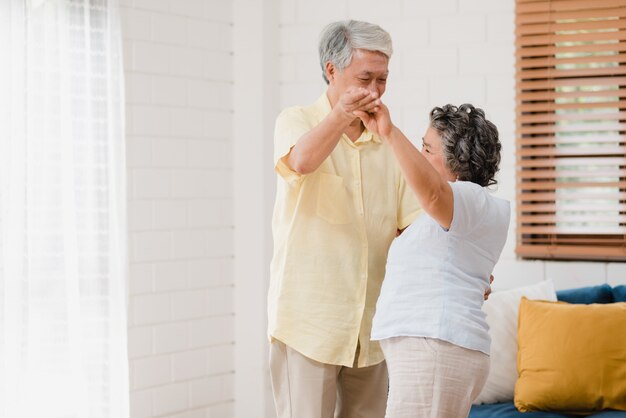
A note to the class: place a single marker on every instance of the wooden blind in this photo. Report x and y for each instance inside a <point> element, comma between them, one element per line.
<point>571,129</point>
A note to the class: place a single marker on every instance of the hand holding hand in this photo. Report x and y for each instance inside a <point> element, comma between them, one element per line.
<point>356,99</point>
<point>377,121</point>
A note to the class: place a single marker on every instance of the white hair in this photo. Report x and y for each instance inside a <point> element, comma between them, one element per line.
<point>338,41</point>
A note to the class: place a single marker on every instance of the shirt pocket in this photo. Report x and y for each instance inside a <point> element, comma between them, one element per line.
<point>333,203</point>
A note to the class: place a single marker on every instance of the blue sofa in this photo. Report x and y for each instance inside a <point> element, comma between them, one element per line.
<point>586,295</point>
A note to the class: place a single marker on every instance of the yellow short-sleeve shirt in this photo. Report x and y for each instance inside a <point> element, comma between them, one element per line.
<point>332,229</point>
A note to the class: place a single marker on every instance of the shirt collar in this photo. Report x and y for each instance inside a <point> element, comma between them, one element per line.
<point>322,106</point>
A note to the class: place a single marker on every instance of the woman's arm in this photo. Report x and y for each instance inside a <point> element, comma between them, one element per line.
<point>433,192</point>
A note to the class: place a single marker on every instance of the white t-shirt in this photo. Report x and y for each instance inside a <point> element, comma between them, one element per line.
<point>436,279</point>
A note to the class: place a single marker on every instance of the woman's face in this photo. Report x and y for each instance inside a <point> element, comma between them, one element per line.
<point>432,150</point>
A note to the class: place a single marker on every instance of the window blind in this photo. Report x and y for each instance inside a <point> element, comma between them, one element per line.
<point>571,129</point>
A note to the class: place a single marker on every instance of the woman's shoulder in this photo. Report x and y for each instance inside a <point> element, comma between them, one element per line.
<point>479,200</point>
<point>475,190</point>
<point>468,191</point>
<point>466,186</point>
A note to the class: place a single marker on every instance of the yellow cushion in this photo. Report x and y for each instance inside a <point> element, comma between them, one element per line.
<point>571,357</point>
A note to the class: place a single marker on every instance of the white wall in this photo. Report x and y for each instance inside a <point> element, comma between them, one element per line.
<point>256,105</point>
<point>178,61</point>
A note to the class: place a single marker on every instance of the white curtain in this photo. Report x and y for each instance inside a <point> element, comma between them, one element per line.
<point>62,211</point>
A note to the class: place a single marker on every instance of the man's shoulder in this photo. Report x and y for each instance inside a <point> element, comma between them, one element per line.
<point>309,112</point>
<point>292,111</point>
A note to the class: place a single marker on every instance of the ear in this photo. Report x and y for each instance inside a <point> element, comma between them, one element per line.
<point>330,71</point>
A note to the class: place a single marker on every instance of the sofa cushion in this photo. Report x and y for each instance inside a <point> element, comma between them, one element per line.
<point>619,293</point>
<point>502,309</point>
<point>508,410</point>
<point>570,357</point>
<point>586,295</point>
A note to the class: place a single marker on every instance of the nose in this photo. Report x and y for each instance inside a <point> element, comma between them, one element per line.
<point>373,87</point>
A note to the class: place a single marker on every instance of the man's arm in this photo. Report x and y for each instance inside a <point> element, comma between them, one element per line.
<point>317,144</point>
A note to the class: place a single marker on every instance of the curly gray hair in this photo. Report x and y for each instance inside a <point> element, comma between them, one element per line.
<point>470,142</point>
<point>338,41</point>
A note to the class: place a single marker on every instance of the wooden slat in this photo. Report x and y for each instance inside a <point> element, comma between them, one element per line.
<point>552,174</point>
<point>555,117</point>
<point>525,131</point>
<point>550,106</point>
<point>570,207</point>
<point>583,252</point>
<point>591,12</point>
<point>569,139</point>
<point>593,127</point>
<point>543,51</point>
<point>529,186</point>
<point>577,72</point>
<point>553,27</point>
<point>551,196</point>
<point>572,82</point>
<point>549,219</point>
<point>592,230</point>
<point>545,240</point>
<point>552,95</point>
<point>564,162</point>
<point>577,162</point>
<point>563,6</point>
<point>571,151</point>
<point>550,39</point>
<point>553,62</point>
<point>551,73</point>
<point>608,240</point>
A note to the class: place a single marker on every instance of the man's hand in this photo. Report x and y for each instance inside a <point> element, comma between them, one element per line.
<point>316,145</point>
<point>488,292</point>
<point>356,99</point>
<point>378,121</point>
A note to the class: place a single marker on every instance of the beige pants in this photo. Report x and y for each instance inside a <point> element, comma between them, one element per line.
<point>304,388</point>
<point>430,378</point>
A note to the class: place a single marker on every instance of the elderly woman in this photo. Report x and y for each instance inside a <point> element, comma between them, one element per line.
<point>428,316</point>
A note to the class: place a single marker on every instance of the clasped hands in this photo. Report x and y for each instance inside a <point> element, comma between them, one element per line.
<point>358,102</point>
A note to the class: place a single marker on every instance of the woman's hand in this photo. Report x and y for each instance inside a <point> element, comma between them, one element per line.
<point>356,100</point>
<point>377,121</point>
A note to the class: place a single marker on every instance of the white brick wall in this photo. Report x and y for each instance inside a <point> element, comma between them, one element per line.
<point>179,114</point>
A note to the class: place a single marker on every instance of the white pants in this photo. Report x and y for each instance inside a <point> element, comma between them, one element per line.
<point>431,378</point>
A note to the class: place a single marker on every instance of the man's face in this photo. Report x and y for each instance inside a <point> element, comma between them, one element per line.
<point>367,69</point>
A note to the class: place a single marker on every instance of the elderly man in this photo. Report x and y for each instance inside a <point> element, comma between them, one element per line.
<point>340,200</point>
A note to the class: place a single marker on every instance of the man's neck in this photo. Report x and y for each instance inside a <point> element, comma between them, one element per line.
<point>355,129</point>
